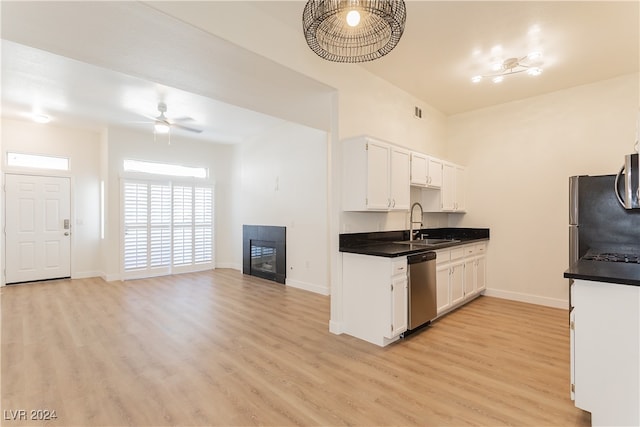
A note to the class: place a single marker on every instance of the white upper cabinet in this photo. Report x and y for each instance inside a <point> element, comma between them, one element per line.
<point>434,170</point>
<point>376,176</point>
<point>426,171</point>
<point>399,177</point>
<point>419,168</point>
<point>451,197</point>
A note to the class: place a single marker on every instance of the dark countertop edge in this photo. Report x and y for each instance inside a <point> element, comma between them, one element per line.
<point>394,250</point>
<point>607,272</point>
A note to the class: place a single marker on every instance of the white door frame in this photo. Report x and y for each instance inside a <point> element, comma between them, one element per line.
<point>3,206</point>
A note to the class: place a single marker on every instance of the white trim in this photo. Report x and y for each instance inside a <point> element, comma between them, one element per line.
<point>229,265</point>
<point>322,290</point>
<point>86,274</point>
<point>528,298</point>
<point>335,327</point>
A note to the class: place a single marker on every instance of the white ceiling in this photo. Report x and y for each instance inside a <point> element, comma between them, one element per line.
<point>125,61</point>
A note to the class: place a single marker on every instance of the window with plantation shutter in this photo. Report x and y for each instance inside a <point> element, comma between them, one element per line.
<point>136,225</point>
<point>167,228</point>
<point>182,225</point>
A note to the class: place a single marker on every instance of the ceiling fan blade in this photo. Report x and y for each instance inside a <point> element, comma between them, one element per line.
<point>190,129</point>
<point>152,118</point>
<point>182,119</point>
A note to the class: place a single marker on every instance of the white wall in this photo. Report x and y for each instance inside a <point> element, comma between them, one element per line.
<point>283,182</point>
<point>127,144</point>
<point>519,157</point>
<point>82,149</point>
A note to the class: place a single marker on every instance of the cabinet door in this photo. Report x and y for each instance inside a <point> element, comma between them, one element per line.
<point>443,297</point>
<point>400,179</point>
<point>457,282</point>
<point>434,170</point>
<point>469,277</point>
<point>481,273</point>
<point>377,176</point>
<point>448,187</point>
<point>460,188</point>
<point>399,315</point>
<point>418,169</point>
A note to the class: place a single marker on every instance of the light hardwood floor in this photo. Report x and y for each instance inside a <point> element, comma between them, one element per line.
<point>220,348</point>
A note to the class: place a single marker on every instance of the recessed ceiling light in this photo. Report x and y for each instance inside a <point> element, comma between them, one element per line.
<point>40,118</point>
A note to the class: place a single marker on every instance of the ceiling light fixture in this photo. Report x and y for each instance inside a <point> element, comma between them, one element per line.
<point>353,30</point>
<point>41,118</point>
<point>161,127</point>
<point>513,66</point>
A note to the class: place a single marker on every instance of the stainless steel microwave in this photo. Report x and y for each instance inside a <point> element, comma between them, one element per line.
<point>628,182</point>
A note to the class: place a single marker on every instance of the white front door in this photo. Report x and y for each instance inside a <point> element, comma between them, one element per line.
<point>37,228</point>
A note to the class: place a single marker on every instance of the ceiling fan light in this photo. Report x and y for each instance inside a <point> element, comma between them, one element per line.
<point>497,79</point>
<point>161,128</point>
<point>476,79</point>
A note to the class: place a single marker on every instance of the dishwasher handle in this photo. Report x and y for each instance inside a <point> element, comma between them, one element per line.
<point>421,257</point>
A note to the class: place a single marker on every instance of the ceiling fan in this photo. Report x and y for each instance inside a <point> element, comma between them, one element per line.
<point>162,124</point>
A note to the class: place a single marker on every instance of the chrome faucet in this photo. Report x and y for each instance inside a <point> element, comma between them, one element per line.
<point>411,221</point>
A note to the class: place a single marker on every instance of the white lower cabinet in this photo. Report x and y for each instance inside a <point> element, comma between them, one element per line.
<point>374,291</point>
<point>605,351</point>
<point>460,275</point>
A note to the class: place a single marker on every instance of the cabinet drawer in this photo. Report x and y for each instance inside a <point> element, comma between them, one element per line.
<point>443,256</point>
<point>399,266</point>
<point>481,248</point>
<point>469,250</point>
<point>457,253</point>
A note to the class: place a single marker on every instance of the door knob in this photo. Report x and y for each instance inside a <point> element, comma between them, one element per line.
<point>66,233</point>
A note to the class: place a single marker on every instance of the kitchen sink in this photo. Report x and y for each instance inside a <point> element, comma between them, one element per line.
<point>427,242</point>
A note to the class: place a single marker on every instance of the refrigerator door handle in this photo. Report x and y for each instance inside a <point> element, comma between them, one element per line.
<point>573,244</point>
<point>573,200</point>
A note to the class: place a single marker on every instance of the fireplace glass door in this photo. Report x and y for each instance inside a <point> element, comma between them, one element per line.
<point>263,257</point>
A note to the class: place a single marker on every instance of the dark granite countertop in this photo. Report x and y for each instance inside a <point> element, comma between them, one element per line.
<point>383,243</point>
<point>602,271</point>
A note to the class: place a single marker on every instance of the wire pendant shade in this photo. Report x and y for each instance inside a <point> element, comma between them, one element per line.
<point>327,33</point>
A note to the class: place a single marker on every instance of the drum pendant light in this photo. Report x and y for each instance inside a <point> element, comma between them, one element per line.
<point>353,30</point>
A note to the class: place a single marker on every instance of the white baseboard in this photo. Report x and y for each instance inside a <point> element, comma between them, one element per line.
<point>231,265</point>
<point>322,290</point>
<point>111,277</point>
<point>86,274</point>
<point>335,327</point>
<point>528,298</point>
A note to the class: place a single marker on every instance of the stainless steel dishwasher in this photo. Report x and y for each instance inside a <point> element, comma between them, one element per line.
<point>422,288</point>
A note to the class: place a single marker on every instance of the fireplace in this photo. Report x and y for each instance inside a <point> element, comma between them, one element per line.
<point>264,252</point>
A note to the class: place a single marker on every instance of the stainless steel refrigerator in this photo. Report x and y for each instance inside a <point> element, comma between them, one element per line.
<point>597,221</point>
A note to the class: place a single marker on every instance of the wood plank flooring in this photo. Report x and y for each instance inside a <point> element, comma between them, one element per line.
<point>220,348</point>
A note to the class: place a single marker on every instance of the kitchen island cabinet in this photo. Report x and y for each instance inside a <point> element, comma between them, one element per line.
<point>605,351</point>
<point>374,294</point>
